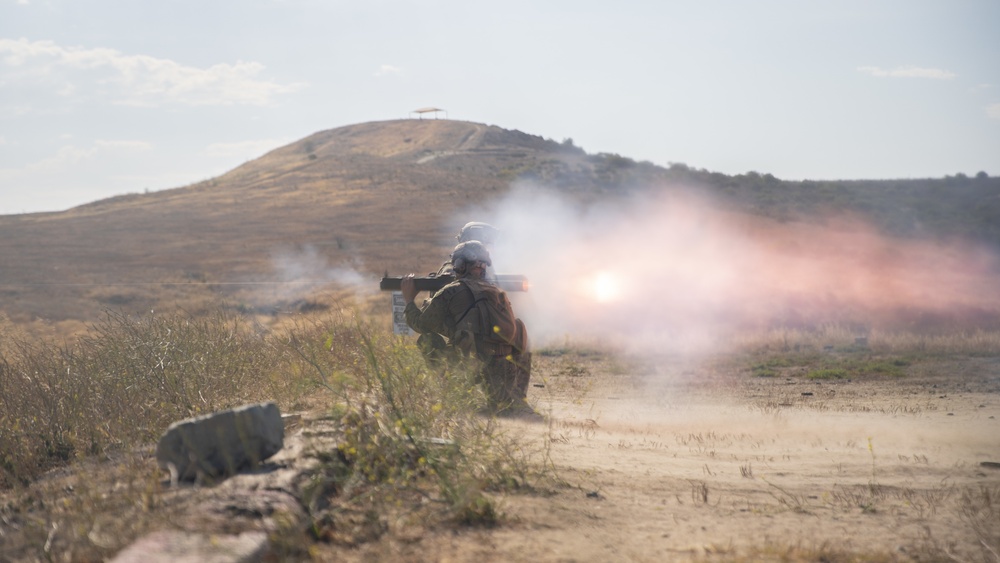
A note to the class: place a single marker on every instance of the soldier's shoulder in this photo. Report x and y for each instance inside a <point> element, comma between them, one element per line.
<point>450,289</point>
<point>479,286</point>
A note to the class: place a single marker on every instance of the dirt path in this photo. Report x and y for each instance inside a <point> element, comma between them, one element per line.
<point>671,467</point>
<point>469,142</point>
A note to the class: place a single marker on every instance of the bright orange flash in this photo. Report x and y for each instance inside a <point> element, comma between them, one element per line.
<point>606,287</point>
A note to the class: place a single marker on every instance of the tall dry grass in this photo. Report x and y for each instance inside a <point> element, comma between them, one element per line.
<point>410,435</point>
<point>123,383</point>
<point>411,426</point>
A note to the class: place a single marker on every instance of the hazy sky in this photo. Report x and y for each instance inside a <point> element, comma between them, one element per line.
<point>105,97</point>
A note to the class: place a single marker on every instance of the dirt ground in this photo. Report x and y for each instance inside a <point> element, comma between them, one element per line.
<point>676,465</point>
<point>670,460</point>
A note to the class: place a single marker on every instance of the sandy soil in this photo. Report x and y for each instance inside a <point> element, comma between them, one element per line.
<point>678,466</point>
<point>667,460</point>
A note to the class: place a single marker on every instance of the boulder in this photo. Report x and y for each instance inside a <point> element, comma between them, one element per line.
<point>222,443</point>
<point>179,547</point>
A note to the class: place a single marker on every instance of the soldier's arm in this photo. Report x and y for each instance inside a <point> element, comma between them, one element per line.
<point>430,318</point>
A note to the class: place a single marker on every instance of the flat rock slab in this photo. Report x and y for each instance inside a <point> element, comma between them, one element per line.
<point>222,443</point>
<point>168,546</point>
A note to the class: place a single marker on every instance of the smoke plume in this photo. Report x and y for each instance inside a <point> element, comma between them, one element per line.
<point>656,269</point>
<point>297,273</point>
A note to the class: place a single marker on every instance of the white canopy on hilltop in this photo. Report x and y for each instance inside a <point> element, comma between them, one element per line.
<point>420,112</point>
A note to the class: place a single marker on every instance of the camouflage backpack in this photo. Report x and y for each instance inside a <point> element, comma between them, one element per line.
<point>492,319</point>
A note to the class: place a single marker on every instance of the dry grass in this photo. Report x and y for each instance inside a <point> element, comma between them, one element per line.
<point>836,352</point>
<point>412,442</point>
<point>394,472</point>
<point>834,338</point>
<point>123,383</point>
<point>251,235</point>
<point>980,509</point>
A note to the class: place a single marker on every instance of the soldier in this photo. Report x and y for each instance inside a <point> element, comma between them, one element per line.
<point>478,231</point>
<point>483,232</point>
<point>476,319</point>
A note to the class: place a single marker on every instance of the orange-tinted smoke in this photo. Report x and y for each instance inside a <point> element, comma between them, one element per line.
<point>662,267</point>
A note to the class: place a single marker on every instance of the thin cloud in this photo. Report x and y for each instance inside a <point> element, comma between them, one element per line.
<point>137,80</point>
<point>993,111</point>
<point>388,70</point>
<point>65,156</point>
<point>41,184</point>
<point>908,72</point>
<point>70,156</point>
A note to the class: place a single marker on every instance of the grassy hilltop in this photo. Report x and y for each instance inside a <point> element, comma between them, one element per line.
<point>383,196</point>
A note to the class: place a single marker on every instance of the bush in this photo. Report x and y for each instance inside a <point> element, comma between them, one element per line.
<point>122,385</point>
<point>409,428</point>
<point>408,433</point>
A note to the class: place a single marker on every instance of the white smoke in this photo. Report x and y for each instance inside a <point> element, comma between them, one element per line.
<point>674,269</point>
<point>298,273</point>
<point>307,265</point>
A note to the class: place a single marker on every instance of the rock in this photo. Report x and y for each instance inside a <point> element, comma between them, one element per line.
<point>222,443</point>
<point>181,547</point>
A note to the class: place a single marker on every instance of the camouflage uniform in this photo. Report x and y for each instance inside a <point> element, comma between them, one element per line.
<point>506,382</point>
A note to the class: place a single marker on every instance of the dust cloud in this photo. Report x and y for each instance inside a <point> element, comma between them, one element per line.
<point>299,272</point>
<point>308,265</point>
<point>667,278</point>
<point>675,268</point>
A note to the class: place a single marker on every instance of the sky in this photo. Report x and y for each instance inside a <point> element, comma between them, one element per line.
<point>106,97</point>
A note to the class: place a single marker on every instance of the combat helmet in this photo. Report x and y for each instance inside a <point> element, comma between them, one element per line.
<point>468,253</point>
<point>475,230</point>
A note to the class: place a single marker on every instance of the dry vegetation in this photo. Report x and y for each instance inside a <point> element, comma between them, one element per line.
<point>374,197</point>
<point>332,200</point>
<point>78,422</point>
<point>727,461</point>
<point>789,445</point>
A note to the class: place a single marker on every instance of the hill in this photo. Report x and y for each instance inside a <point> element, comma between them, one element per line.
<point>342,192</point>
<point>367,198</point>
